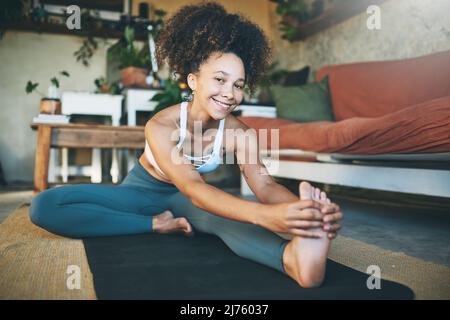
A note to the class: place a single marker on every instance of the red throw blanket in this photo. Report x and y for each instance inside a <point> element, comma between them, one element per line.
<point>422,128</point>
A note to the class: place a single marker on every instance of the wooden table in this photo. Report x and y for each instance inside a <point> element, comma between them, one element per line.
<point>79,136</point>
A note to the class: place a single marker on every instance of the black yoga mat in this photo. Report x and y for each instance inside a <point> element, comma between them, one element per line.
<point>172,266</point>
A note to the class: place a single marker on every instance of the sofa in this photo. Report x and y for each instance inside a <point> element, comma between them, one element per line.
<point>386,111</point>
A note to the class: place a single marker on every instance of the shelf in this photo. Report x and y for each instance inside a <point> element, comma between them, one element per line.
<point>108,5</point>
<point>53,28</point>
<point>338,13</point>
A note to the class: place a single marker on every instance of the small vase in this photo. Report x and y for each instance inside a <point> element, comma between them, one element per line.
<point>50,106</point>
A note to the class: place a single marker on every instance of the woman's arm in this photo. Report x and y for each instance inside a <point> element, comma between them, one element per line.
<point>187,179</point>
<point>253,170</point>
<point>214,200</point>
<point>261,183</point>
<point>276,217</point>
<point>263,186</point>
<point>276,193</point>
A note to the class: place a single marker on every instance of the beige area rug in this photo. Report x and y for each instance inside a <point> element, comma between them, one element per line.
<point>428,280</point>
<point>34,262</point>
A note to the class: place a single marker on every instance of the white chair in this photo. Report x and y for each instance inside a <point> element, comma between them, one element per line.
<point>85,103</point>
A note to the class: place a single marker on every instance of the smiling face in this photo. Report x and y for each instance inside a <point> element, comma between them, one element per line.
<point>219,84</point>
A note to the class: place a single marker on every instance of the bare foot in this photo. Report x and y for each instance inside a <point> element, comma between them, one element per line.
<point>306,257</point>
<point>166,223</point>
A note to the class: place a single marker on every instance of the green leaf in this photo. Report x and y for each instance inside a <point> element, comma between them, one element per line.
<point>129,34</point>
<point>157,97</point>
<point>31,86</point>
<point>169,97</point>
<point>281,11</point>
<point>65,73</point>
<point>55,82</point>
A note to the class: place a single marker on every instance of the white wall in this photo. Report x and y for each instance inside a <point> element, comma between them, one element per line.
<point>37,57</point>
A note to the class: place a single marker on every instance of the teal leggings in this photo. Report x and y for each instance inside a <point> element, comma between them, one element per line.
<point>88,210</point>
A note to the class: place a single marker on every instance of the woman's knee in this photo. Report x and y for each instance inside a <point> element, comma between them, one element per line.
<point>43,208</point>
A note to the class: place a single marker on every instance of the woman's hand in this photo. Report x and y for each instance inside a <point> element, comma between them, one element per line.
<point>331,221</point>
<point>297,217</point>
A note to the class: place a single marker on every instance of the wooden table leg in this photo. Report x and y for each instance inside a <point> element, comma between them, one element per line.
<point>42,158</point>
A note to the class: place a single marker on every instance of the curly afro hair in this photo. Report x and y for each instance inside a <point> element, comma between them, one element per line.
<point>195,31</point>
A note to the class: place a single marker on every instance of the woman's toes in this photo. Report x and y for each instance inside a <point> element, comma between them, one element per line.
<point>305,191</point>
<point>317,194</point>
<point>184,225</point>
<point>189,232</point>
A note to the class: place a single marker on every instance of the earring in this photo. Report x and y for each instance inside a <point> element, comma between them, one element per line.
<point>190,96</point>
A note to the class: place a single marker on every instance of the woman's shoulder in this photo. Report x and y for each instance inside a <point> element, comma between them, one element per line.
<point>168,117</point>
<point>163,124</point>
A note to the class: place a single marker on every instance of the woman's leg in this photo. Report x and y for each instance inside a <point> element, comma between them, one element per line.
<point>89,210</point>
<point>302,259</point>
<point>246,240</point>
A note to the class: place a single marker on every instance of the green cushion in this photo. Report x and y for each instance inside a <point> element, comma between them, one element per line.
<point>306,103</point>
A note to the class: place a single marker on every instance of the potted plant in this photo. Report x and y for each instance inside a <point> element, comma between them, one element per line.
<point>104,86</point>
<point>134,63</point>
<point>50,103</point>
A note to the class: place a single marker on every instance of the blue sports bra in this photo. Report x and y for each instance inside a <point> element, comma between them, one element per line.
<point>209,162</point>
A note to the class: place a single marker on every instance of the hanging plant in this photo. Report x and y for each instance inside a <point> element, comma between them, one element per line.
<point>90,24</point>
<point>294,13</point>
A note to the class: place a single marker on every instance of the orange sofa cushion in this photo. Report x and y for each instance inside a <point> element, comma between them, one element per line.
<point>373,89</point>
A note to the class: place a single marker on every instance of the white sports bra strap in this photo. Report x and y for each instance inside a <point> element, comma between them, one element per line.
<point>219,136</point>
<point>183,121</point>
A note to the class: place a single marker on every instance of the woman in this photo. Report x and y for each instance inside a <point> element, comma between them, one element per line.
<point>217,54</point>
